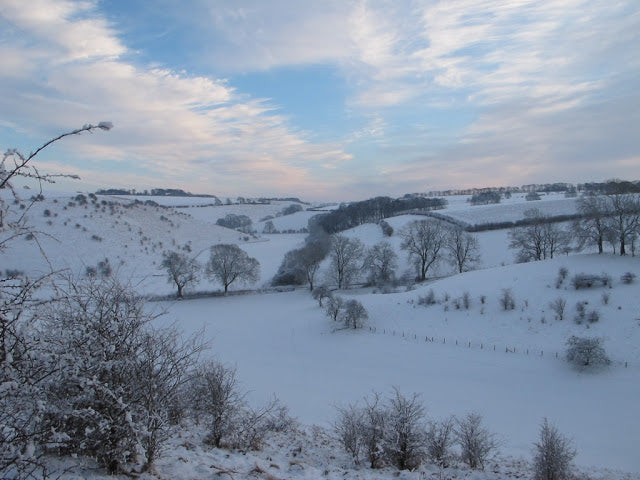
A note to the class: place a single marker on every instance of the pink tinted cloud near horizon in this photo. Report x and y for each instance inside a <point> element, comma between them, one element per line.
<point>549,87</point>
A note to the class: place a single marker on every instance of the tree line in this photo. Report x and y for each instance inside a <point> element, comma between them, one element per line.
<point>426,242</point>
<point>373,211</point>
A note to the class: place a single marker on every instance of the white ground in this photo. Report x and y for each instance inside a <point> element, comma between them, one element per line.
<point>283,343</point>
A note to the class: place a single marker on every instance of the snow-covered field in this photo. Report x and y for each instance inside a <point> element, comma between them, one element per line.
<point>500,364</point>
<point>508,210</point>
<point>283,344</point>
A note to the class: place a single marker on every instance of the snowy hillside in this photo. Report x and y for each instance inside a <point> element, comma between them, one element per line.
<point>132,235</point>
<point>284,344</point>
<point>506,365</point>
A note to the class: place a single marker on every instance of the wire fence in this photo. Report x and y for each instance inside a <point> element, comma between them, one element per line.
<point>469,344</point>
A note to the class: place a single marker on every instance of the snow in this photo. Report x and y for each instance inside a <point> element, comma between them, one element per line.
<point>283,344</point>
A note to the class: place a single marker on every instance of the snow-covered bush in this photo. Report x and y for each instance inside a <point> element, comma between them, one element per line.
<point>466,300</point>
<point>531,196</point>
<point>440,441</point>
<point>562,276</point>
<point>334,307</point>
<point>25,368</point>
<point>628,278</point>
<point>586,352</point>
<point>387,230</point>
<point>584,280</point>
<point>320,293</point>
<point>558,306</point>
<point>390,433</point>
<point>354,315</point>
<point>253,424</point>
<point>428,299</point>
<point>348,427</point>
<point>506,299</point>
<point>214,397</point>
<point>291,209</point>
<point>405,440</point>
<point>116,381</point>
<point>581,312</point>
<point>22,368</point>
<point>476,443</point>
<point>553,455</point>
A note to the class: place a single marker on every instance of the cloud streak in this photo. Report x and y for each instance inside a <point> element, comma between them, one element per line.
<point>439,94</point>
<point>175,127</point>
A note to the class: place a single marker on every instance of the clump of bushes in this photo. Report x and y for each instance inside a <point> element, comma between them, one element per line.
<point>507,300</point>
<point>395,432</point>
<point>562,276</point>
<point>628,278</point>
<point>584,280</point>
<point>428,299</point>
<point>387,230</point>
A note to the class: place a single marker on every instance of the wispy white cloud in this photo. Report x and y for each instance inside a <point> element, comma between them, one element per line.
<point>68,68</point>
<point>547,88</point>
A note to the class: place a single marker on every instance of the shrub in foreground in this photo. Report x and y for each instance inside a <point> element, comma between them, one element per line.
<point>553,454</point>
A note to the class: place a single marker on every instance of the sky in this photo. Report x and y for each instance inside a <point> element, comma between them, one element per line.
<point>324,100</point>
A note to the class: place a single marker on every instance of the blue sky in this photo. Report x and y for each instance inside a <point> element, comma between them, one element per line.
<point>330,100</point>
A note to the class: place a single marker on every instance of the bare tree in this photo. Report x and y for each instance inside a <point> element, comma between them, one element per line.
<point>592,226</point>
<point>309,259</point>
<point>406,432</point>
<point>354,315</point>
<point>540,239</point>
<point>463,248</point>
<point>553,455</point>
<point>228,263</point>
<point>215,396</point>
<point>476,443</point>
<point>440,440</point>
<point>320,293</point>
<point>269,227</point>
<point>506,299</point>
<point>558,307</point>
<point>164,366</point>
<point>363,430</point>
<point>381,262</point>
<point>335,307</point>
<point>181,269</point>
<point>349,430</point>
<point>346,257</point>
<point>423,240</point>
<point>625,218</point>
<point>586,352</point>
